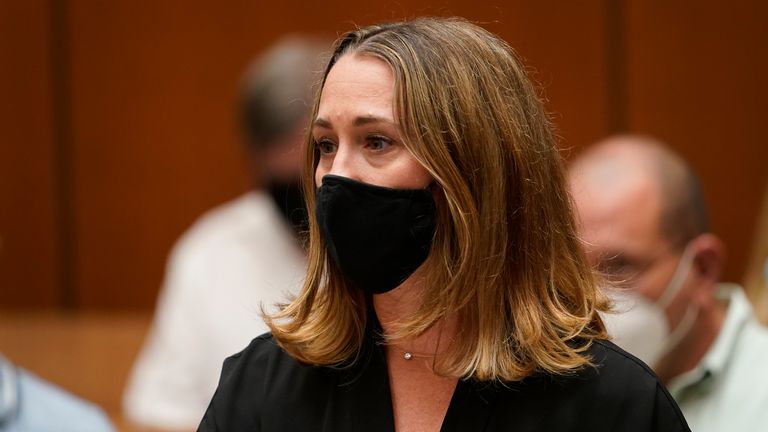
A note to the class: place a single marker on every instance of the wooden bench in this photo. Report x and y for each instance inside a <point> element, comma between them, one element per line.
<point>89,354</point>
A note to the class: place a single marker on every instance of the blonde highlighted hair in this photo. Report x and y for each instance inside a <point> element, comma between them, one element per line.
<point>505,260</point>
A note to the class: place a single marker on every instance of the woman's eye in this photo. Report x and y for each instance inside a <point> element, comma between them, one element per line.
<point>378,143</point>
<point>325,147</point>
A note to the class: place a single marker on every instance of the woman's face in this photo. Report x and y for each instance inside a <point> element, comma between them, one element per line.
<point>356,130</point>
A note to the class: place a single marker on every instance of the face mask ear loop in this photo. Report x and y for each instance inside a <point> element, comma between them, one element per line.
<point>678,278</point>
<point>670,292</point>
<point>681,330</point>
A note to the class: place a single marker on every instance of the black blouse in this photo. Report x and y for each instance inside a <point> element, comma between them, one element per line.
<point>264,389</point>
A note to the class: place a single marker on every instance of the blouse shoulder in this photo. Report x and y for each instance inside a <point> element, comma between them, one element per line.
<point>259,373</point>
<point>617,392</point>
<point>628,386</point>
<point>615,365</point>
<point>261,355</point>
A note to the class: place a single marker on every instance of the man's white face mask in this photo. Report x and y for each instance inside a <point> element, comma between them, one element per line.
<point>640,326</point>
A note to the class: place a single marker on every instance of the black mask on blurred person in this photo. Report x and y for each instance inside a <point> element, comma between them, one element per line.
<point>290,201</point>
<point>377,236</point>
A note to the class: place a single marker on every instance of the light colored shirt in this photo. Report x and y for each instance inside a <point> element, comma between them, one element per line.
<point>235,259</point>
<point>728,390</point>
<point>29,404</point>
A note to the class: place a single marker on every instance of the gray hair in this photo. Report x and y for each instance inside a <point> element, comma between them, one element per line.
<point>278,88</point>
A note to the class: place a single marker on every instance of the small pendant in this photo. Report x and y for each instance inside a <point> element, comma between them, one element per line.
<point>407,355</point>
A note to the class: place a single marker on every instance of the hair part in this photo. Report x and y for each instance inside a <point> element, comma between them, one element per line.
<point>505,257</point>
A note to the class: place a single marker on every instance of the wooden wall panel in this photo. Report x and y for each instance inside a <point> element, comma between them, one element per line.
<point>151,140</point>
<point>696,79</point>
<point>564,44</point>
<point>29,267</point>
<point>152,137</point>
<point>153,132</point>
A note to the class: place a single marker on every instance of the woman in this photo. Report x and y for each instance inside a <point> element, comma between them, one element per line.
<point>446,289</point>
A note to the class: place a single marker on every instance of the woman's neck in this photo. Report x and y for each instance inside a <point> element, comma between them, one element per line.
<point>395,306</point>
<point>410,363</point>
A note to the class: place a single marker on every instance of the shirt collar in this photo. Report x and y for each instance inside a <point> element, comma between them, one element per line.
<point>9,392</point>
<point>719,354</point>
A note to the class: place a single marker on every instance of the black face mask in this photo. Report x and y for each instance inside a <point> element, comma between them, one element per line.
<point>377,236</point>
<point>290,201</point>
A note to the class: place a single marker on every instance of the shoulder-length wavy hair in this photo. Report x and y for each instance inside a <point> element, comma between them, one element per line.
<point>505,260</point>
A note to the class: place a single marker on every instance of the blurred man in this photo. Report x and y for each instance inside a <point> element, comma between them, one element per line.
<point>644,222</point>
<point>30,404</point>
<point>237,257</point>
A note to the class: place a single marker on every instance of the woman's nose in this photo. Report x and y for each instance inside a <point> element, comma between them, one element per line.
<point>345,164</point>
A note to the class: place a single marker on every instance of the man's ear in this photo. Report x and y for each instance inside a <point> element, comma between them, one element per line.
<point>709,259</point>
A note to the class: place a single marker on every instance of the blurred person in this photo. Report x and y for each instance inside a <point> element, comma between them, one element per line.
<point>756,278</point>
<point>238,256</point>
<point>446,288</point>
<point>643,220</point>
<point>30,404</point>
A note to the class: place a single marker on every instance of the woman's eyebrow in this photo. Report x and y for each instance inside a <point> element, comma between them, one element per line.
<point>359,121</point>
<point>364,120</point>
<point>322,123</point>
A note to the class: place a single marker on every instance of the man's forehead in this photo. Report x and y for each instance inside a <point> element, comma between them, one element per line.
<point>618,205</point>
<point>609,187</point>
